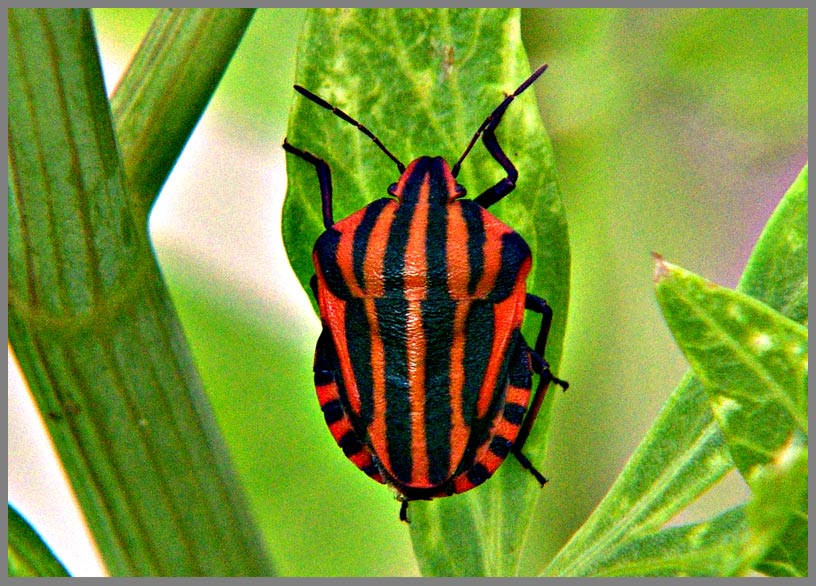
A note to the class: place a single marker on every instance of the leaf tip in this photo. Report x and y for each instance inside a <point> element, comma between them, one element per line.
<point>661,268</point>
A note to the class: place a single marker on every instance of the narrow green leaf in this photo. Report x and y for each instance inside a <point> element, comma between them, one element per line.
<point>727,545</point>
<point>778,513</point>
<point>753,363</point>
<point>423,81</point>
<point>681,456</point>
<point>777,272</point>
<point>684,453</point>
<point>94,330</point>
<point>166,88</point>
<point>751,359</point>
<point>710,548</point>
<point>28,555</point>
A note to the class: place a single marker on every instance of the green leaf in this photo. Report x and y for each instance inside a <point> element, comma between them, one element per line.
<point>166,89</point>
<point>730,543</point>
<point>423,81</point>
<point>680,457</point>
<point>28,555</point>
<point>94,330</point>
<point>684,453</point>
<point>778,513</point>
<point>709,548</point>
<point>777,272</point>
<point>752,361</point>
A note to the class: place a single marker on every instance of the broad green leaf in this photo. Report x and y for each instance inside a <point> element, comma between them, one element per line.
<point>166,88</point>
<point>94,330</point>
<point>28,555</point>
<point>752,361</point>
<point>423,81</point>
<point>684,453</point>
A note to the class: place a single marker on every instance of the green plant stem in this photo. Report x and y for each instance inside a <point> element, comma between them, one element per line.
<point>166,89</point>
<point>94,330</point>
<point>27,554</point>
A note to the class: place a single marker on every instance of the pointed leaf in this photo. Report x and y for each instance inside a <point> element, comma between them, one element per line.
<point>423,81</point>
<point>753,363</point>
<point>751,359</point>
<point>684,453</point>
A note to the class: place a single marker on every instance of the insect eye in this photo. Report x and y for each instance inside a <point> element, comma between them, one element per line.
<point>460,191</point>
<point>392,189</point>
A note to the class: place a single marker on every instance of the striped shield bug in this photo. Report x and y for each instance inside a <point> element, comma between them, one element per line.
<point>421,369</point>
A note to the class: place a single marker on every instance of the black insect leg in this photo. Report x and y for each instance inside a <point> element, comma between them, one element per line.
<point>488,132</point>
<point>508,184</point>
<point>525,462</point>
<point>540,366</point>
<point>323,176</point>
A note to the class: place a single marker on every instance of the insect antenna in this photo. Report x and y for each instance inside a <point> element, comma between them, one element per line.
<point>339,113</point>
<point>495,115</point>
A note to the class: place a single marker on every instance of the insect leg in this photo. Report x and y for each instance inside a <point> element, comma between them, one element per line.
<point>488,132</point>
<point>323,176</point>
<point>540,366</point>
<point>508,184</point>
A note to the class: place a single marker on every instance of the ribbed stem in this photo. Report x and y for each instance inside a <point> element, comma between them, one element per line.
<point>94,330</point>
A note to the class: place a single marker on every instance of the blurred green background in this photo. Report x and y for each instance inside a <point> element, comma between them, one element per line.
<point>675,131</point>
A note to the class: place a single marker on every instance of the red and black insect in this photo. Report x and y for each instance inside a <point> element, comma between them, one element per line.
<point>421,370</point>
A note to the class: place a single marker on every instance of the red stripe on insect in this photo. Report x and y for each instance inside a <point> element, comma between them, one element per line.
<point>415,359</point>
<point>507,317</point>
<point>462,484</point>
<point>327,393</point>
<point>492,254</point>
<point>457,245</point>
<point>333,310</point>
<point>377,427</point>
<point>375,255</point>
<point>362,459</point>
<point>415,268</point>
<point>460,432</point>
<point>501,339</point>
<point>340,428</point>
<point>517,395</point>
<point>415,279</point>
<point>345,252</point>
